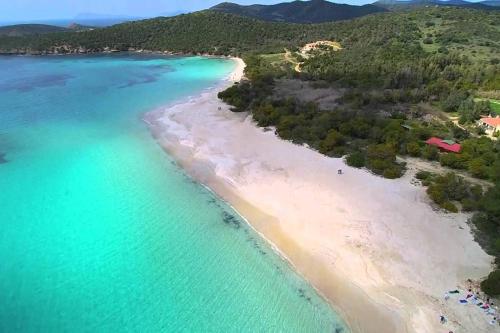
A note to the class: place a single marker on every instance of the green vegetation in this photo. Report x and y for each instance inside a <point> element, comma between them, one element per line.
<point>450,191</point>
<point>495,106</point>
<point>201,32</point>
<point>388,52</point>
<point>491,285</point>
<point>29,29</point>
<point>479,156</point>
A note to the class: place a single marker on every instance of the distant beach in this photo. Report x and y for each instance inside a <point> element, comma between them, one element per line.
<point>374,247</point>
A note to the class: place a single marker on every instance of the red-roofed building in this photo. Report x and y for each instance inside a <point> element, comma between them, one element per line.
<point>490,125</point>
<point>444,145</point>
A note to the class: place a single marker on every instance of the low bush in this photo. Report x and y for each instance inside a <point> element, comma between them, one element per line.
<point>449,206</point>
<point>423,175</point>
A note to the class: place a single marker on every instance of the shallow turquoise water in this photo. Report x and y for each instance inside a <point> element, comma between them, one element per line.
<point>101,231</point>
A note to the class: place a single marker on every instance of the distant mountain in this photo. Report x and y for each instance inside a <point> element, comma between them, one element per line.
<point>20,30</point>
<point>408,4</point>
<point>314,11</point>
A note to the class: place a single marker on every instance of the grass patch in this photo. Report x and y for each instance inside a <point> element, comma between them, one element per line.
<point>495,106</point>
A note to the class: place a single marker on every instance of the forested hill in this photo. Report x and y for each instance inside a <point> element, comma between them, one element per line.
<point>315,11</point>
<point>21,30</point>
<point>29,29</point>
<point>400,35</point>
<point>201,32</point>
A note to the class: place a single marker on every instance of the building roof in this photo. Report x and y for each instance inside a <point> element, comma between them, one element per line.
<point>447,145</point>
<point>493,122</point>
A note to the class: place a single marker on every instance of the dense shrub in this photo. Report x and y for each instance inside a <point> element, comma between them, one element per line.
<point>449,206</point>
<point>423,175</point>
<point>356,159</point>
<point>333,139</point>
<point>454,100</point>
<point>428,40</point>
<point>413,149</point>
<point>452,160</point>
<point>491,285</point>
<point>381,159</point>
<point>449,188</point>
<point>430,153</point>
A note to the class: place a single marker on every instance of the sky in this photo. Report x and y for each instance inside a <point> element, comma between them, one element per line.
<point>19,10</point>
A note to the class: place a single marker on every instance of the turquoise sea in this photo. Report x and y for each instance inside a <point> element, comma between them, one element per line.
<point>100,231</point>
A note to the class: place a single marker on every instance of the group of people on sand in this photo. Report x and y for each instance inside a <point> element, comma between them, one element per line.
<point>474,298</point>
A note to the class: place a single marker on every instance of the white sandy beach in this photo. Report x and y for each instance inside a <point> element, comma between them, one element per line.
<point>374,247</point>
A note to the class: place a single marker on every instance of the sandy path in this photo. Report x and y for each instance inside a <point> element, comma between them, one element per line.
<point>372,246</point>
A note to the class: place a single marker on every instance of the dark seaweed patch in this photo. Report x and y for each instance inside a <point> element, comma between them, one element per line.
<point>3,160</point>
<point>302,294</point>
<point>141,80</point>
<point>256,245</point>
<point>30,83</point>
<point>231,220</point>
<point>339,329</point>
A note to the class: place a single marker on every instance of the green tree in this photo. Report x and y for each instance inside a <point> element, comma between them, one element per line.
<point>333,139</point>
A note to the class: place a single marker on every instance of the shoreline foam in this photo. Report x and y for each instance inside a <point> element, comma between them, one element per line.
<point>383,264</point>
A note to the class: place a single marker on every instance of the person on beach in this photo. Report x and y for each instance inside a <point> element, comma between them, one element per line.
<point>442,319</point>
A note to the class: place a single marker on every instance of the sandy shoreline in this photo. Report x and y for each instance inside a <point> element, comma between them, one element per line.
<point>374,247</point>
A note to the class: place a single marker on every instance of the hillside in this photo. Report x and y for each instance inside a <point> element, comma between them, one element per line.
<point>315,11</point>
<point>201,32</point>
<point>22,30</point>
<point>29,29</point>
